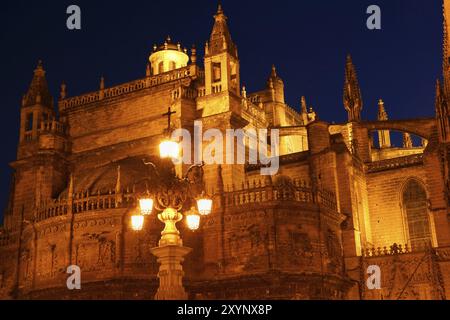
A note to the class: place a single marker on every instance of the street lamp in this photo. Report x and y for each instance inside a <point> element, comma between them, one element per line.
<point>170,197</point>
<point>204,205</point>
<point>169,149</point>
<point>137,222</point>
<point>193,220</point>
<point>146,206</point>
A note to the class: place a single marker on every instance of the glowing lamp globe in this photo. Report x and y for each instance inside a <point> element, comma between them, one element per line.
<point>137,222</point>
<point>193,221</point>
<point>146,206</point>
<point>169,149</point>
<point>204,206</point>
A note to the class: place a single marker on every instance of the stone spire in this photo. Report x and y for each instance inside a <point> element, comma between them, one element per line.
<point>70,194</point>
<point>194,54</point>
<point>407,141</point>
<point>63,92</point>
<point>276,85</point>
<point>304,111</point>
<point>304,106</point>
<point>38,92</point>
<point>118,189</point>
<point>220,39</point>
<point>70,190</point>
<point>102,83</point>
<point>382,114</point>
<point>352,93</point>
<point>118,181</point>
<point>446,47</point>
<point>273,73</point>
<point>384,136</point>
<point>442,113</point>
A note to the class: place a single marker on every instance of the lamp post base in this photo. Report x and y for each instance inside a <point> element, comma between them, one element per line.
<point>170,258</point>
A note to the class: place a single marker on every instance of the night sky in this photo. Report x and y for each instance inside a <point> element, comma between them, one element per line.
<point>307,40</point>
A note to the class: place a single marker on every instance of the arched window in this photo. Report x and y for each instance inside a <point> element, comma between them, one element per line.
<point>217,72</point>
<point>416,211</point>
<point>161,67</point>
<point>172,65</point>
<point>29,122</point>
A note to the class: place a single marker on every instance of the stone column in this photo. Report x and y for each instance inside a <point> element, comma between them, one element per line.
<point>170,255</point>
<point>170,258</point>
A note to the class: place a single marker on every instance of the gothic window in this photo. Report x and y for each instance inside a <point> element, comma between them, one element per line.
<point>415,206</point>
<point>217,72</point>
<point>29,122</point>
<point>43,118</point>
<point>233,68</point>
<point>234,72</point>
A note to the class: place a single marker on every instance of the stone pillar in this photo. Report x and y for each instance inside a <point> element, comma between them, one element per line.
<point>171,272</point>
<point>170,255</point>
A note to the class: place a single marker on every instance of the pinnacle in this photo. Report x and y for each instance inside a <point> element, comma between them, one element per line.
<point>274,71</point>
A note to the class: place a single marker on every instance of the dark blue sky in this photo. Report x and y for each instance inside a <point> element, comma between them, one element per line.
<point>306,39</point>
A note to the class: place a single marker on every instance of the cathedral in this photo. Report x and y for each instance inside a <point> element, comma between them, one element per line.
<point>344,201</point>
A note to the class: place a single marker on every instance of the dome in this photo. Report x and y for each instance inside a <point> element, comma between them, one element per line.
<point>104,179</point>
<point>167,57</point>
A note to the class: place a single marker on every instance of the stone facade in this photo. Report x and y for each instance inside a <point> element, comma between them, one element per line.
<point>339,204</point>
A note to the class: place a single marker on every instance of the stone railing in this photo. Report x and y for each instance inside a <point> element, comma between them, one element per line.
<point>201,92</point>
<point>125,88</point>
<point>255,99</point>
<point>47,126</point>
<point>52,126</point>
<point>52,209</point>
<point>298,191</point>
<point>395,249</point>
<point>84,202</point>
<point>257,192</point>
<point>184,92</point>
<point>395,163</point>
<point>254,111</point>
<point>28,136</point>
<point>217,88</point>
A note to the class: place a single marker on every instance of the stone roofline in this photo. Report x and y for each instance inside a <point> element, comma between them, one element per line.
<point>124,89</point>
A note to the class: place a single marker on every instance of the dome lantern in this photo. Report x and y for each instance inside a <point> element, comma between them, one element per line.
<point>167,57</point>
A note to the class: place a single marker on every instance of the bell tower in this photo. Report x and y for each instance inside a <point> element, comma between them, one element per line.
<point>221,102</point>
<point>221,59</point>
<point>37,107</point>
<point>40,171</point>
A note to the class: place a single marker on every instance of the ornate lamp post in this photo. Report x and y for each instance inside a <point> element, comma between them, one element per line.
<point>170,196</point>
